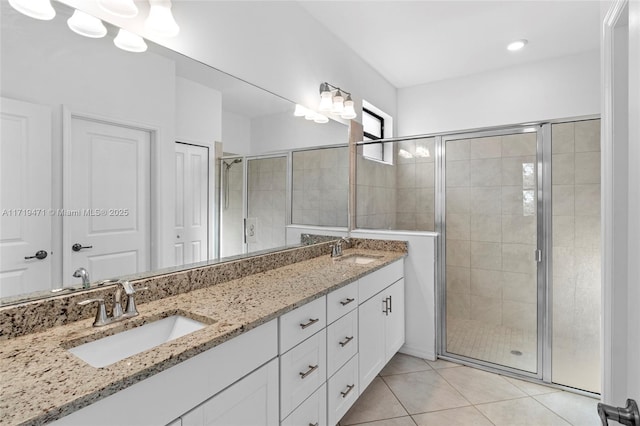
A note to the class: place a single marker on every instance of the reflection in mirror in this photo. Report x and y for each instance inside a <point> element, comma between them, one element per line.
<point>320,186</point>
<point>129,129</point>
<point>398,195</point>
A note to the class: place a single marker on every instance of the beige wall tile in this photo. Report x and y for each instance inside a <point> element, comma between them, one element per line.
<point>458,280</point>
<point>485,172</point>
<point>512,200</point>
<point>486,228</point>
<point>587,267</point>
<point>457,173</point>
<point>457,200</point>
<point>485,200</point>
<point>518,258</point>
<point>458,253</point>
<point>563,200</point>
<point>425,150</point>
<point>425,201</point>
<point>486,255</point>
<point>562,138</point>
<point>457,150</point>
<point>587,200</point>
<point>512,170</point>
<point>563,169</point>
<point>405,221</point>
<point>564,263</point>
<point>519,287</point>
<point>587,135</point>
<point>485,147</point>
<point>458,306</point>
<point>587,167</point>
<point>408,147</point>
<point>406,175</point>
<point>587,231</point>
<point>519,229</point>
<point>406,200</point>
<point>458,226</point>
<point>487,310</point>
<point>563,231</point>
<point>520,315</point>
<point>425,222</point>
<point>486,283</point>
<point>519,145</point>
<point>425,175</point>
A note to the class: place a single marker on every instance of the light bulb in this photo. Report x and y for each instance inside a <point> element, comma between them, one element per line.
<point>38,9</point>
<point>129,41</point>
<point>122,8</point>
<point>349,111</point>
<point>160,21</point>
<point>325,102</point>
<point>517,45</point>
<point>86,25</point>
<point>300,111</point>
<point>310,115</point>
<point>338,103</point>
<point>319,118</point>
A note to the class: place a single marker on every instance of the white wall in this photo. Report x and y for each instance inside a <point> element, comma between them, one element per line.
<point>275,45</point>
<point>236,133</point>
<point>558,88</point>
<point>419,280</point>
<point>198,113</point>
<point>283,131</point>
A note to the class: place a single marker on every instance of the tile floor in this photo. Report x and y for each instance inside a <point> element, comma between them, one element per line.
<point>411,391</point>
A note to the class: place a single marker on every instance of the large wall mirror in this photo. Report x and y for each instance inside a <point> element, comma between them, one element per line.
<point>109,158</point>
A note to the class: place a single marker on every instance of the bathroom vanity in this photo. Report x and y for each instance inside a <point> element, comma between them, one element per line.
<point>293,345</point>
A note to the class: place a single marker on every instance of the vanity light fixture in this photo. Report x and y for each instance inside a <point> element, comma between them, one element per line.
<point>122,8</point>
<point>517,45</point>
<point>38,9</point>
<point>300,111</point>
<point>332,99</point>
<point>320,118</point>
<point>86,25</point>
<point>160,21</point>
<point>130,42</point>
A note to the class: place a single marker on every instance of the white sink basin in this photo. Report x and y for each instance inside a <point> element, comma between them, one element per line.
<point>111,349</point>
<point>359,259</point>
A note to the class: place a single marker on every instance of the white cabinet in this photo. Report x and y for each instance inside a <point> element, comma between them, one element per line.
<point>342,391</point>
<point>251,401</point>
<point>312,412</point>
<point>342,301</point>
<point>381,330</point>
<point>302,323</point>
<point>342,341</point>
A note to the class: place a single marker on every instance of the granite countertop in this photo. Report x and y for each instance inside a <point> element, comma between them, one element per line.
<point>42,381</point>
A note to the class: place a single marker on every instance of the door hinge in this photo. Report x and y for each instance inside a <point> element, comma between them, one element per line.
<point>538,255</point>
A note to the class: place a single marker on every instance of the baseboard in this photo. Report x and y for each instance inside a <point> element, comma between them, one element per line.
<point>419,353</point>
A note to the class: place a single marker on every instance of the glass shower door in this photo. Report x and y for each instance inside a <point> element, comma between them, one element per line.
<point>491,239</point>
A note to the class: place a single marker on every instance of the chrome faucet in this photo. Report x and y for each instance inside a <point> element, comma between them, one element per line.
<point>117,314</point>
<point>336,249</point>
<point>82,273</point>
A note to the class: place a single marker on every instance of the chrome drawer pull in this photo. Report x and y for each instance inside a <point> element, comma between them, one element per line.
<point>311,322</point>
<point>349,389</point>
<point>390,304</point>
<point>314,424</point>
<point>347,301</point>
<point>346,341</point>
<point>312,368</point>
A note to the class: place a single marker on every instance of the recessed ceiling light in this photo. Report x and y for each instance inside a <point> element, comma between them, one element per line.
<point>517,45</point>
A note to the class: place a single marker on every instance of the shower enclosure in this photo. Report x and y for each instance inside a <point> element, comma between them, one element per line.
<point>518,213</point>
<point>253,203</point>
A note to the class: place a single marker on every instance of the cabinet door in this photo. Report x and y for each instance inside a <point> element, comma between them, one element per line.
<point>394,321</point>
<point>312,412</point>
<point>371,331</point>
<point>253,401</point>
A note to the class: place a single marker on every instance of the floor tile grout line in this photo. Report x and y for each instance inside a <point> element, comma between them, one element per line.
<point>395,396</point>
<point>379,420</point>
<point>553,411</point>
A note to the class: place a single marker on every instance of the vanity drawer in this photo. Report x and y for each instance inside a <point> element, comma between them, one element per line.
<point>313,411</point>
<point>342,391</point>
<point>342,341</point>
<point>303,369</point>
<point>301,323</point>
<point>342,301</point>
<point>375,282</point>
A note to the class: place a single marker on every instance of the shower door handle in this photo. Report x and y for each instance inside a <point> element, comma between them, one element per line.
<point>538,255</point>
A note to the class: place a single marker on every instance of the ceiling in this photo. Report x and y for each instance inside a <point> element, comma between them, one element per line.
<point>417,42</point>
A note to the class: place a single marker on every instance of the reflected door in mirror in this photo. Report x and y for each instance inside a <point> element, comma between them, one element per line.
<point>107,197</point>
<point>25,198</point>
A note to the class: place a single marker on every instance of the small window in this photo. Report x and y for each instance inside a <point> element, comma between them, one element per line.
<point>376,125</point>
<point>373,125</point>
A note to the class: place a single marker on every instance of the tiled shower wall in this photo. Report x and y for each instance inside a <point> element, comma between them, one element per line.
<point>376,194</point>
<point>491,230</point>
<point>231,215</point>
<point>267,183</point>
<point>576,254</point>
<point>320,187</point>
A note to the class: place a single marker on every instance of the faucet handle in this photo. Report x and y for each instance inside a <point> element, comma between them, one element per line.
<point>101,314</point>
<point>131,311</point>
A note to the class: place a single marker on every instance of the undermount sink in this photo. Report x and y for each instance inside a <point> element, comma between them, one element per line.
<point>358,259</point>
<point>111,349</point>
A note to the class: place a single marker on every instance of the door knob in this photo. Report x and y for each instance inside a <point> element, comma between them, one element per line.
<point>78,247</point>
<point>40,254</point>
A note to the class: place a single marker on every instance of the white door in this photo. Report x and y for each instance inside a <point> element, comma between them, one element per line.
<point>25,197</point>
<point>107,198</point>
<point>394,320</point>
<point>371,332</point>
<point>192,204</point>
